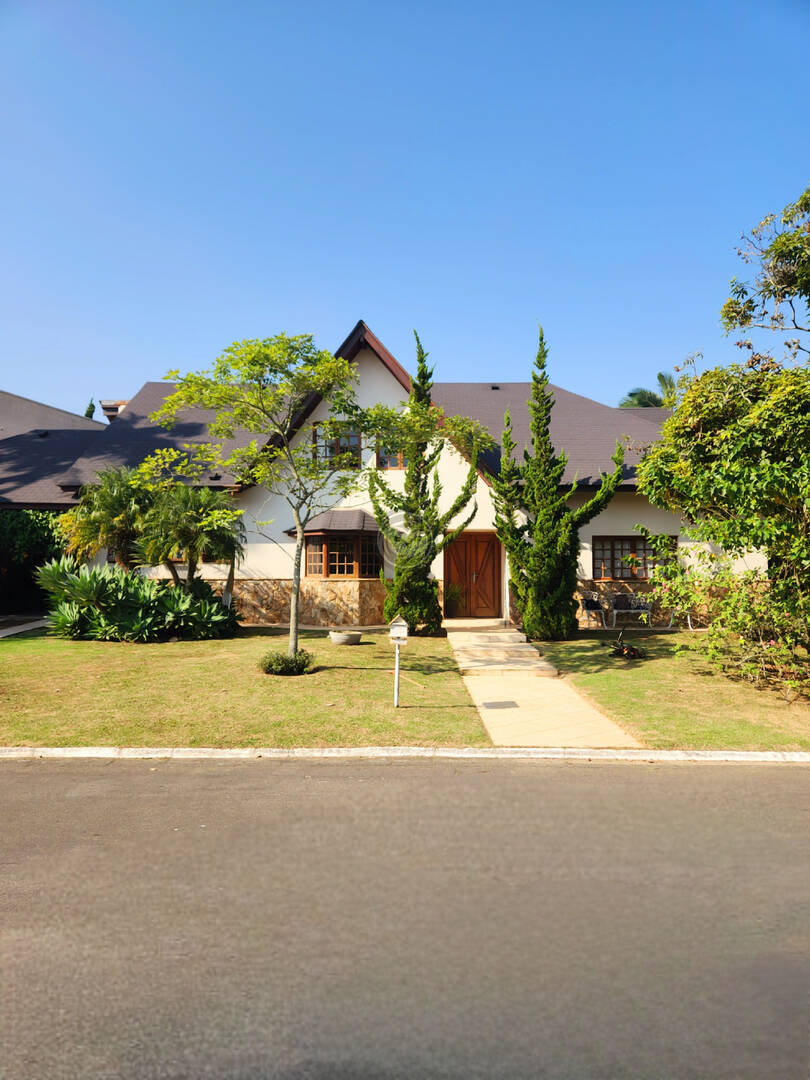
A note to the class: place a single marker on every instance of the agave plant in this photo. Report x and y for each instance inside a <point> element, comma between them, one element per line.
<point>110,604</point>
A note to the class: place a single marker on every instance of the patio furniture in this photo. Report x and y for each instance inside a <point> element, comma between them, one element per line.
<point>631,605</point>
<point>592,606</point>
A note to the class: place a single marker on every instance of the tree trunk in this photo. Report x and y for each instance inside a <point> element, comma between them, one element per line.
<point>296,586</point>
<point>175,576</point>
<point>190,572</point>
<point>227,592</point>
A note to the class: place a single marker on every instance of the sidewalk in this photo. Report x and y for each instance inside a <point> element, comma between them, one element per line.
<point>22,628</point>
<point>519,696</point>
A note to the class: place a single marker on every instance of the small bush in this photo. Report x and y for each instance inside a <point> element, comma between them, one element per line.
<point>281,663</point>
<point>416,601</point>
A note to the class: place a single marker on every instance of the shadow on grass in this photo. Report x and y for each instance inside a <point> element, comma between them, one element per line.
<point>420,667</point>
<point>589,652</point>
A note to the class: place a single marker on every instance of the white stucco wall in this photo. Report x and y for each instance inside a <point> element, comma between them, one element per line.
<point>269,550</point>
<point>628,509</point>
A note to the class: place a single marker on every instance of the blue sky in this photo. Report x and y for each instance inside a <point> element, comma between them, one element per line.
<point>179,175</point>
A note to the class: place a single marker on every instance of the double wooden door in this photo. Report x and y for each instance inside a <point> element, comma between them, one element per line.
<point>473,562</point>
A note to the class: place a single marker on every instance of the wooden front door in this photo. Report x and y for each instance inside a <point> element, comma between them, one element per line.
<point>473,562</point>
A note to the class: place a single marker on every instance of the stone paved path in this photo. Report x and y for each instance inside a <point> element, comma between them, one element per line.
<point>518,696</point>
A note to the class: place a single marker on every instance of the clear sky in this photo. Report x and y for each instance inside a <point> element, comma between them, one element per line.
<point>177,175</point>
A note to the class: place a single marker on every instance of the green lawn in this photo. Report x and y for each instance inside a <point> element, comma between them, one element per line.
<point>212,693</point>
<point>675,700</point>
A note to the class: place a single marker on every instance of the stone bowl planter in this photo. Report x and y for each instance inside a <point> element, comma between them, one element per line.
<point>345,637</point>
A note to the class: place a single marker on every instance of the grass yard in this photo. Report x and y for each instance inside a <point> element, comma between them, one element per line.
<point>211,693</point>
<point>675,700</point>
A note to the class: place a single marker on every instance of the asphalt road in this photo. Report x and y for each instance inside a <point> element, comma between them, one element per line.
<point>404,920</point>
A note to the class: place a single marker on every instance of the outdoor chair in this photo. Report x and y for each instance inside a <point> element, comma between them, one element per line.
<point>592,606</point>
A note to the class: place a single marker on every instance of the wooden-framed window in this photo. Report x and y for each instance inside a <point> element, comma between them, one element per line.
<point>391,459</point>
<point>623,558</point>
<point>343,555</point>
<point>349,444</point>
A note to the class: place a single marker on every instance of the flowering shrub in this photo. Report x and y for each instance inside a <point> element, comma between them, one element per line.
<point>750,632</point>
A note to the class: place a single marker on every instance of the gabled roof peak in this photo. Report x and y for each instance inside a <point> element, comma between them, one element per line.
<point>361,336</point>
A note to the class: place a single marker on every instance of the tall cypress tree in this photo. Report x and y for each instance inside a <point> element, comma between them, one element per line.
<point>534,521</point>
<point>421,434</point>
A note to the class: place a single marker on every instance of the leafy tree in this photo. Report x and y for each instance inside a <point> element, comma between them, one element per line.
<point>733,458</point>
<point>667,387</point>
<point>27,538</point>
<point>90,411</point>
<point>109,515</point>
<point>421,433</point>
<point>267,387</point>
<point>192,524</point>
<point>639,398</point>
<point>779,296</point>
<point>535,522</point>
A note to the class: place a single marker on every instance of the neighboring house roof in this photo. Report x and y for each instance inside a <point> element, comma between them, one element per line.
<point>132,437</point>
<point>340,521</point>
<point>37,444</point>
<point>585,429</point>
<point>651,414</point>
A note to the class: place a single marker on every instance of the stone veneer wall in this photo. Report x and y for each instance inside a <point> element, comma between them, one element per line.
<point>323,601</point>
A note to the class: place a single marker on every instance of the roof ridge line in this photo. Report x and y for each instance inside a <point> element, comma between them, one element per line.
<point>53,408</point>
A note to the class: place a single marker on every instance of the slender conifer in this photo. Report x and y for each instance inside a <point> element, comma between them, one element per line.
<point>535,522</point>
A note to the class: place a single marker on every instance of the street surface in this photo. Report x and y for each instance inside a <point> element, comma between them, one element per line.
<point>398,921</point>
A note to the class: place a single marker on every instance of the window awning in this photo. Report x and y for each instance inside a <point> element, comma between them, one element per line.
<point>340,521</point>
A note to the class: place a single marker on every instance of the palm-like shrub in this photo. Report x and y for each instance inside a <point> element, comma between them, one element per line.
<point>191,524</point>
<point>109,515</point>
<point>113,604</point>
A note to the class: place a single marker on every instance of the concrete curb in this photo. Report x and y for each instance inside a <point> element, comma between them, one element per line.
<point>535,753</point>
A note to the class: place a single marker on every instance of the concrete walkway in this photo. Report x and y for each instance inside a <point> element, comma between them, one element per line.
<point>22,628</point>
<point>518,697</point>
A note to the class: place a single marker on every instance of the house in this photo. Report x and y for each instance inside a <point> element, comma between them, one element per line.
<point>344,550</point>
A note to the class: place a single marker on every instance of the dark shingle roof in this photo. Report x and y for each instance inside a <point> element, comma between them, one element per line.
<point>132,436</point>
<point>37,444</point>
<point>585,429</point>
<point>340,521</point>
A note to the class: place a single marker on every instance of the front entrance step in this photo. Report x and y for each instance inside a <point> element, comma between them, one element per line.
<point>496,637</point>
<point>491,649</point>
<point>501,652</point>
<point>492,660</point>
<point>536,669</point>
